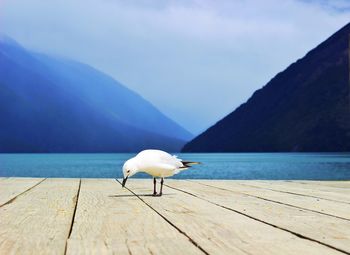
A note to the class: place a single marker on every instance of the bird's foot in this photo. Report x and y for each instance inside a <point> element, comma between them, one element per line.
<point>154,194</point>
<point>160,194</point>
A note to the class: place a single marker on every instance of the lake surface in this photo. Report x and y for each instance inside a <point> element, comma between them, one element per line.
<point>244,166</point>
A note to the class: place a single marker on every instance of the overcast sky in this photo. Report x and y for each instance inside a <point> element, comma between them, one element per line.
<point>195,60</point>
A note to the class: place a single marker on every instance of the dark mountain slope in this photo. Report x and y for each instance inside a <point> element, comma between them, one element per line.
<point>304,108</point>
<point>53,105</point>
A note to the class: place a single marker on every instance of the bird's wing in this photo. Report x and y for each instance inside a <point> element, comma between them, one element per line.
<point>155,157</point>
<point>171,160</point>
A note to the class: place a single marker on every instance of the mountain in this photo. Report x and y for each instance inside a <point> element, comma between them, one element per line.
<point>304,108</point>
<point>51,104</point>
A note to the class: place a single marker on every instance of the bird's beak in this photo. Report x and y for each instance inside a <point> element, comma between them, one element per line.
<point>124,181</point>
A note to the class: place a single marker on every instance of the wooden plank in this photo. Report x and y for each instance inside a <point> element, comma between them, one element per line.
<point>324,229</point>
<point>319,205</point>
<point>303,190</point>
<point>12,187</point>
<point>221,231</point>
<point>39,221</point>
<point>329,186</point>
<point>111,220</point>
<point>335,184</point>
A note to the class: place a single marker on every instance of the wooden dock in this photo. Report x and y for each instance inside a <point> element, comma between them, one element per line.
<point>97,216</point>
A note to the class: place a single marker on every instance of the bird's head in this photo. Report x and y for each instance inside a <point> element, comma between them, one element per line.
<point>129,169</point>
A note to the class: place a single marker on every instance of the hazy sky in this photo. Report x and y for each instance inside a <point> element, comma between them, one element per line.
<point>195,60</point>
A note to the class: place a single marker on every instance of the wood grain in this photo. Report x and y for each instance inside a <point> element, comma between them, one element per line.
<point>111,220</point>
<point>38,222</point>
<point>97,216</point>
<point>220,231</point>
<point>344,185</point>
<point>320,191</point>
<point>320,205</point>
<point>321,228</point>
<point>12,187</point>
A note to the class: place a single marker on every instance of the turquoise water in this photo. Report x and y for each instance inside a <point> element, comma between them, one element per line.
<point>270,166</point>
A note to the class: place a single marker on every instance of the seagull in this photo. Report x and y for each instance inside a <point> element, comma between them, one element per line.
<point>156,163</point>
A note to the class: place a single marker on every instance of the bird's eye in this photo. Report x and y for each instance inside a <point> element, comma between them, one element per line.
<point>128,171</point>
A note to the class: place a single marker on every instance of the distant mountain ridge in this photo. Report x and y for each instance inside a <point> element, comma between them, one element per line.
<point>304,108</point>
<point>51,104</point>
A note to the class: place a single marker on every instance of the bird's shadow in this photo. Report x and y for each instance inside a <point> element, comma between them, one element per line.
<point>139,195</point>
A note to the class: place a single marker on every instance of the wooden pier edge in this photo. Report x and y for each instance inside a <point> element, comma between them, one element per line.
<point>98,216</point>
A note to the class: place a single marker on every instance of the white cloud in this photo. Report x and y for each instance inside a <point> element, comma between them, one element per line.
<point>210,54</point>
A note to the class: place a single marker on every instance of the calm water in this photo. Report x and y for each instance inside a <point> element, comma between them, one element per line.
<point>273,166</point>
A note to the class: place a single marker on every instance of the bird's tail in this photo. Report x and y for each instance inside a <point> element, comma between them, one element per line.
<point>189,163</point>
<point>186,165</point>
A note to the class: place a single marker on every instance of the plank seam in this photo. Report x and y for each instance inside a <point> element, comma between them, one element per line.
<point>22,193</point>
<point>73,217</point>
<point>277,202</point>
<point>168,221</point>
<point>264,222</point>
<point>297,194</point>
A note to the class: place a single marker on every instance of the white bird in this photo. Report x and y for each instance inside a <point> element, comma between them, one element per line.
<point>156,163</point>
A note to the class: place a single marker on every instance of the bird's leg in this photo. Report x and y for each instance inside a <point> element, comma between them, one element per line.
<point>154,187</point>
<point>161,186</point>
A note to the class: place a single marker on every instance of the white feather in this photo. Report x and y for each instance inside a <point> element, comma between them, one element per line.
<point>157,163</point>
